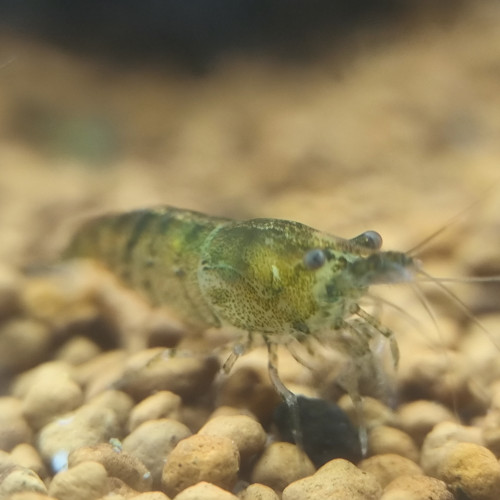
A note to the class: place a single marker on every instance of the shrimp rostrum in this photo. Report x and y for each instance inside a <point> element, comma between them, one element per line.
<point>280,279</point>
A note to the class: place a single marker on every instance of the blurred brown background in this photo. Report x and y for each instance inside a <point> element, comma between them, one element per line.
<point>342,115</point>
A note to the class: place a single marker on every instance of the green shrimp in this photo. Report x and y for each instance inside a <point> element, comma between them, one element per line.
<point>277,278</point>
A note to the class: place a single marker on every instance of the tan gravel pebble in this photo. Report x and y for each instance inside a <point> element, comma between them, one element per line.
<point>205,491</point>
<point>201,458</point>
<point>24,382</point>
<point>29,495</point>
<point>50,397</point>
<point>375,412</point>
<point>152,441</point>
<point>58,299</point>
<point>384,439</point>
<point>417,488</point>
<point>258,491</point>
<point>280,465</point>
<point>6,462</point>
<point>163,404</point>
<point>115,486</point>
<point>85,481</point>
<point>442,437</point>
<point>490,427</point>
<point>13,427</point>
<point>23,344</point>
<point>111,377</point>
<point>118,401</point>
<point>248,435</point>
<point>100,373</point>
<point>151,495</point>
<point>20,479</point>
<point>249,387</point>
<point>87,426</point>
<point>27,456</point>
<point>418,418</point>
<point>155,370</point>
<point>194,416</point>
<point>229,411</point>
<point>476,347</point>
<point>471,469</point>
<point>77,350</point>
<point>388,467</point>
<point>439,378</point>
<point>118,463</point>
<point>337,479</point>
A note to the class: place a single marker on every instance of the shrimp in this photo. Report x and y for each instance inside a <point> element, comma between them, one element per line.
<point>277,278</point>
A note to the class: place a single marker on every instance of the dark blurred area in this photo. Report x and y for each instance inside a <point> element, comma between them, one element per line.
<point>196,33</point>
<point>327,432</point>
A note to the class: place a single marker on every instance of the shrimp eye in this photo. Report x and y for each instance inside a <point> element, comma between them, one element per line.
<point>314,259</point>
<point>369,239</point>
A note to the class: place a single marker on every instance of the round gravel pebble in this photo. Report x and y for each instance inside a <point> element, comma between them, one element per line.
<point>117,401</point>
<point>154,370</point>
<point>201,458</point>
<point>50,370</point>
<point>491,431</point>
<point>440,439</point>
<point>85,481</point>
<point>87,426</point>
<point>13,427</point>
<point>150,495</point>
<point>50,397</point>
<point>417,488</point>
<point>385,439</point>
<point>77,350</point>
<point>249,387</point>
<point>246,432</point>
<point>472,470</point>
<point>19,479</point>
<point>418,418</point>
<point>6,462</point>
<point>281,464</point>
<point>375,412</point>
<point>229,411</point>
<point>101,372</point>
<point>388,467</point>
<point>258,491</point>
<point>118,463</point>
<point>163,404</point>
<point>337,479</point>
<point>23,344</point>
<point>27,456</point>
<point>115,486</point>
<point>30,495</point>
<point>152,442</point>
<point>205,491</point>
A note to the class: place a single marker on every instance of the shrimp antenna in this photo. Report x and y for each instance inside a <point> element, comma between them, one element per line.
<point>462,305</point>
<point>419,246</point>
<point>425,303</point>
<point>428,309</point>
<point>414,321</point>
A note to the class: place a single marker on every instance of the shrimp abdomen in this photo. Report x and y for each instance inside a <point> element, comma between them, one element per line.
<point>156,252</point>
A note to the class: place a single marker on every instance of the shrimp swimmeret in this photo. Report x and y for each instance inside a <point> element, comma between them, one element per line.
<point>280,279</point>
